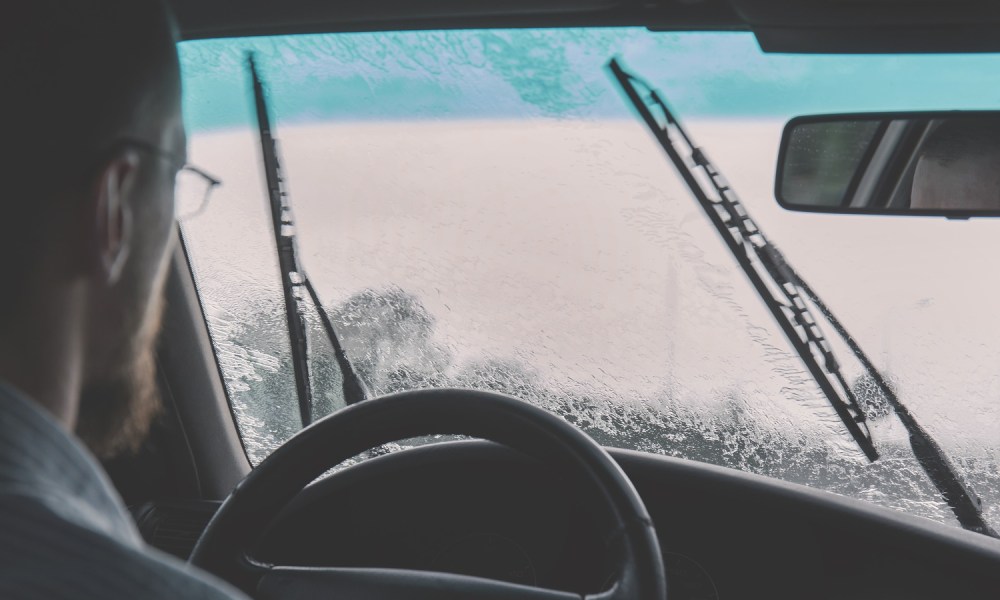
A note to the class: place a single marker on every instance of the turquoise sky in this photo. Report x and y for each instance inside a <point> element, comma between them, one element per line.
<point>560,74</point>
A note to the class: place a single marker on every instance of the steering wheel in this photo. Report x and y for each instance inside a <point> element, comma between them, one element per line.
<point>224,546</point>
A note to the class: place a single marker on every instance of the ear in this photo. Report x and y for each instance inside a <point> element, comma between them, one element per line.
<point>112,213</point>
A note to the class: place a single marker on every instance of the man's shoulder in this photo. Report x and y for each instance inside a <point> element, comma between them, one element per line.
<point>42,555</point>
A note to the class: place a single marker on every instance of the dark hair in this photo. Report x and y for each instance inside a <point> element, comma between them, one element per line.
<point>958,137</point>
<point>74,74</point>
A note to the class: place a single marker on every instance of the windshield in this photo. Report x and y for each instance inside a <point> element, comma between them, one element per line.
<point>482,209</point>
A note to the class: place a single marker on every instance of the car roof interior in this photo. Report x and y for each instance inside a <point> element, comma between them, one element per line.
<point>816,26</point>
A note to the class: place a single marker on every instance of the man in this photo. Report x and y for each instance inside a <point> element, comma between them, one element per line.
<point>959,167</point>
<point>93,140</point>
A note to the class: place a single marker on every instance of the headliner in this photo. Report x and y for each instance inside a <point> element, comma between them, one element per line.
<point>850,26</point>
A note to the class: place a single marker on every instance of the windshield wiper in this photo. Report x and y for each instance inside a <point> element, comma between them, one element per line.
<point>293,277</point>
<point>782,290</point>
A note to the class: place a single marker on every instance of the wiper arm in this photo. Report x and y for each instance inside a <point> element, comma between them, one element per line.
<point>293,276</point>
<point>782,289</point>
<point>963,501</point>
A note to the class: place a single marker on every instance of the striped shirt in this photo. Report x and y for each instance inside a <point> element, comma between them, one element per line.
<point>64,532</point>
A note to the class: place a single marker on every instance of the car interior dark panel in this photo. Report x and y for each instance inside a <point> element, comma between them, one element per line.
<point>224,19</point>
<point>872,27</point>
<point>862,40</point>
<point>516,521</point>
<point>174,526</point>
<point>439,521</point>
<point>780,25</point>
<point>898,13</point>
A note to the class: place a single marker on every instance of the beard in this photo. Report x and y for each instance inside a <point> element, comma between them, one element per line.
<point>117,410</point>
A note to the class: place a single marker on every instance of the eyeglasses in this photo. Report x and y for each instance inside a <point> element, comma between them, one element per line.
<point>192,189</point>
<point>192,186</point>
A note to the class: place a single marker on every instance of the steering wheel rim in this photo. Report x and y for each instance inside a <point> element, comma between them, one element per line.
<point>223,547</point>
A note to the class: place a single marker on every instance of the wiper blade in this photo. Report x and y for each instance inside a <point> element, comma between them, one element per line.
<point>782,290</point>
<point>761,261</point>
<point>293,277</point>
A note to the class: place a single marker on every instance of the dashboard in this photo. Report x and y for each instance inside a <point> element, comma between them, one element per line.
<point>476,508</point>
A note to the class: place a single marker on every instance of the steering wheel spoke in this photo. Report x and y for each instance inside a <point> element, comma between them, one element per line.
<point>295,583</point>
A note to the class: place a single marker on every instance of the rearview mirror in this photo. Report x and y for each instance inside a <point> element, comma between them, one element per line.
<point>926,163</point>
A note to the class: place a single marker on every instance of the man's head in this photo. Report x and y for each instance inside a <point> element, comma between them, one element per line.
<point>92,139</point>
<point>959,167</point>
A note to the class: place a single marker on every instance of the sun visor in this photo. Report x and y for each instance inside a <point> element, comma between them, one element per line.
<point>874,26</point>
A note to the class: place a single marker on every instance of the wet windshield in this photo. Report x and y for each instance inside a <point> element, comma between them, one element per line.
<point>482,209</point>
